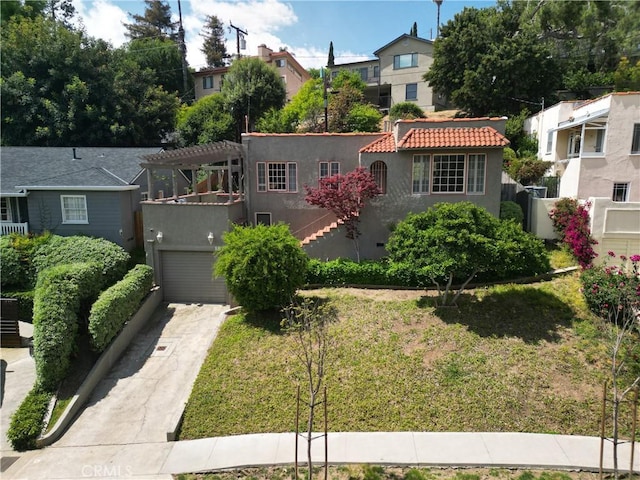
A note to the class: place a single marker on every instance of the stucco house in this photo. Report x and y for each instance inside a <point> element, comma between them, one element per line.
<point>209,80</point>
<point>594,146</point>
<point>421,162</point>
<point>595,149</point>
<point>75,191</point>
<point>395,75</point>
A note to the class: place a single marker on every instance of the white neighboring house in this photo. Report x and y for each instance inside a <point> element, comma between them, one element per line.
<point>594,146</point>
<point>595,149</point>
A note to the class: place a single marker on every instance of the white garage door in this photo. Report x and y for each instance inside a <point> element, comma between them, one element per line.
<point>188,277</point>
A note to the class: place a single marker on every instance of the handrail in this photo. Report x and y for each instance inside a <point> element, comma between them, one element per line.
<point>321,222</point>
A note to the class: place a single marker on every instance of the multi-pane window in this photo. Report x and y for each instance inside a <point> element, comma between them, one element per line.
<point>329,169</point>
<point>475,174</point>
<point>277,176</point>
<point>364,73</point>
<point>420,175</point>
<point>599,140</point>
<point>5,209</point>
<point>281,62</point>
<point>405,61</point>
<point>635,144</point>
<point>379,171</point>
<point>74,209</point>
<point>207,82</point>
<point>376,71</point>
<point>411,91</point>
<point>448,173</point>
<point>620,192</point>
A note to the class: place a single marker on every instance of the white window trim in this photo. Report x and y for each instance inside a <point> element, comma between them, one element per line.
<point>261,186</point>
<point>636,127</point>
<point>468,169</point>
<point>627,187</point>
<point>406,96</point>
<point>7,201</point>
<point>64,216</point>
<point>330,166</point>
<point>264,187</point>
<point>464,173</point>
<point>428,191</point>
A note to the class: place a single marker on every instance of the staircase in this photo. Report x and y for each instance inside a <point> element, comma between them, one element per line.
<point>321,233</point>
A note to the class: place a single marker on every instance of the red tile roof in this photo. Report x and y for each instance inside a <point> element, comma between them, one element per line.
<point>452,137</point>
<point>385,144</point>
<point>449,137</point>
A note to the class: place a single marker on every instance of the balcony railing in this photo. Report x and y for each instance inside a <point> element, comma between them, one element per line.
<point>7,228</point>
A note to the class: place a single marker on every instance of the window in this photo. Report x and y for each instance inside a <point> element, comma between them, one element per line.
<point>421,170</point>
<point>475,174</point>
<point>284,79</point>
<point>376,71</point>
<point>281,63</point>
<point>411,91</point>
<point>74,209</point>
<point>207,82</point>
<point>599,140</point>
<point>379,171</point>
<point>635,144</point>
<point>405,61</point>
<point>144,196</point>
<point>263,218</point>
<point>5,209</point>
<point>364,73</point>
<point>448,174</point>
<point>549,141</point>
<point>574,145</point>
<point>262,177</point>
<point>620,192</point>
<point>277,176</point>
<point>329,169</point>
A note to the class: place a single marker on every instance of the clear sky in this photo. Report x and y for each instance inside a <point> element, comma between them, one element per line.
<point>357,28</point>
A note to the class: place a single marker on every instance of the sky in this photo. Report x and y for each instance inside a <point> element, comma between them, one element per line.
<point>305,28</point>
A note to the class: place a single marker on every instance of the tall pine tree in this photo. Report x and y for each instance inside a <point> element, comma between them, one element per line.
<point>155,23</point>
<point>213,46</point>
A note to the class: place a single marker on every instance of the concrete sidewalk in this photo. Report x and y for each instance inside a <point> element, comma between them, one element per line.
<point>161,460</point>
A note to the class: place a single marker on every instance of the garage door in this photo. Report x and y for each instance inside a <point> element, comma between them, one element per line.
<point>187,277</point>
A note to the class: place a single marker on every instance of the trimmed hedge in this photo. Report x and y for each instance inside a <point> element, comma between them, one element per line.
<point>27,422</point>
<point>60,292</point>
<point>511,211</point>
<point>16,252</point>
<point>117,304</point>
<point>65,250</point>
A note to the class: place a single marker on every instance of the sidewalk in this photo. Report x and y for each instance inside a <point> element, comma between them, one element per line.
<point>161,460</point>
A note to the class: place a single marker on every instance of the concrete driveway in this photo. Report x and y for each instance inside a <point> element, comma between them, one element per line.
<point>143,396</point>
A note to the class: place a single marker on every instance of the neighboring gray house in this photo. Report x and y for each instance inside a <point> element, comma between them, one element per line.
<point>420,163</point>
<point>75,191</point>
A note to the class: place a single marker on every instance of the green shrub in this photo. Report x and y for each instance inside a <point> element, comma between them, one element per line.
<point>60,293</point>
<point>117,304</point>
<point>344,272</point>
<point>263,266</point>
<point>511,211</point>
<point>16,252</point>
<point>25,303</point>
<point>27,422</point>
<point>609,290</point>
<point>65,250</point>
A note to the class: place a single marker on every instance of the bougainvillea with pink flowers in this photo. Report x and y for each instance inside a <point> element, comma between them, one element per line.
<point>571,222</point>
<point>611,289</point>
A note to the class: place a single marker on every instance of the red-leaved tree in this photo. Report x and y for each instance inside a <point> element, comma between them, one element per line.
<point>345,196</point>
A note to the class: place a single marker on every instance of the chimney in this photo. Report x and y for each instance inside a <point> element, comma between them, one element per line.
<point>264,52</point>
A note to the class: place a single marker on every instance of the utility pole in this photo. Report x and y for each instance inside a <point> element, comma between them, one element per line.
<point>183,52</point>
<point>438,3</point>
<point>238,32</point>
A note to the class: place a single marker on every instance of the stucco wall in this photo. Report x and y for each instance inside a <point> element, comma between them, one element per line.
<point>615,226</point>
<point>541,225</point>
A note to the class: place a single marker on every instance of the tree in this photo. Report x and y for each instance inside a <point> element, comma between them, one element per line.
<point>251,88</point>
<point>456,241</point>
<point>213,46</point>
<point>206,121</point>
<point>331,59</point>
<point>263,266</point>
<point>414,30</point>
<point>363,118</point>
<point>17,8</point>
<point>155,23</point>
<point>405,110</point>
<point>304,113</point>
<point>627,76</point>
<point>345,196</point>
<point>308,321</point>
<point>487,62</point>
<point>527,170</point>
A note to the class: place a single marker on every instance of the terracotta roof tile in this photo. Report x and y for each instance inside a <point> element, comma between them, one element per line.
<point>452,137</point>
<point>385,144</point>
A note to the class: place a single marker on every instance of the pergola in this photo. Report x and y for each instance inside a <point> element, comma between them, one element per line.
<point>214,157</point>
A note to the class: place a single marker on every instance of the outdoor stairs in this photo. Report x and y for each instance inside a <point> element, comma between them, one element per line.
<point>321,233</point>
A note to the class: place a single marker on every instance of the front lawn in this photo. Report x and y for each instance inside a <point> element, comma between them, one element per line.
<point>510,358</point>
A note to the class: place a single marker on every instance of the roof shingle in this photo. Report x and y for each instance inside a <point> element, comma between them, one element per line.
<point>452,138</point>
